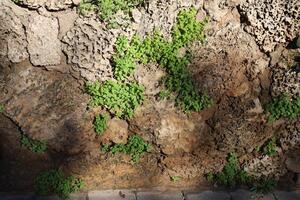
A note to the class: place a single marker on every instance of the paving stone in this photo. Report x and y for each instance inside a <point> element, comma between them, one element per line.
<point>208,195</point>
<point>79,196</point>
<point>156,195</point>
<point>111,195</point>
<point>16,197</point>
<point>282,195</point>
<point>47,198</point>
<point>240,195</point>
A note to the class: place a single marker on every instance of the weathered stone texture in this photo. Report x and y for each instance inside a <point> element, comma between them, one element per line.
<point>13,41</point>
<point>43,43</point>
<point>271,21</point>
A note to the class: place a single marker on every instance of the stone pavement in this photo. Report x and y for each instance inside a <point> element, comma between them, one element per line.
<point>165,195</point>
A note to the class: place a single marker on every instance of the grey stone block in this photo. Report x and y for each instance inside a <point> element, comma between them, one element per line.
<point>157,195</point>
<point>111,195</point>
<point>79,196</point>
<point>240,195</point>
<point>282,195</point>
<point>208,195</point>
<point>16,197</point>
<point>47,198</point>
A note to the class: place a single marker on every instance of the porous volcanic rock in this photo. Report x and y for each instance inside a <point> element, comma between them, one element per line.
<point>266,166</point>
<point>53,5</point>
<point>271,21</point>
<point>117,131</point>
<point>47,106</point>
<point>290,136</point>
<point>13,43</point>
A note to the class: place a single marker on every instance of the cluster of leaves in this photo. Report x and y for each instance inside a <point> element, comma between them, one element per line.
<point>1,108</point>
<point>100,123</point>
<point>55,182</point>
<point>135,147</point>
<point>119,98</point>
<point>36,146</point>
<point>108,8</point>
<point>175,178</point>
<point>264,185</point>
<point>269,148</point>
<point>155,48</point>
<point>17,1</point>
<point>232,176</point>
<point>283,106</point>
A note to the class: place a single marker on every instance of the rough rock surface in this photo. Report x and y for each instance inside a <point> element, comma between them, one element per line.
<point>89,45</point>
<point>266,166</point>
<point>46,105</point>
<point>116,132</point>
<point>13,41</point>
<point>52,5</point>
<point>285,81</point>
<point>271,21</point>
<point>43,43</point>
<point>290,136</point>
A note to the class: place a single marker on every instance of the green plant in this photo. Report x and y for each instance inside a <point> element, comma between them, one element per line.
<point>55,182</point>
<point>283,106</point>
<point>135,147</point>
<point>107,9</point>
<point>164,94</point>
<point>100,123</point>
<point>175,178</point>
<point>188,29</point>
<point>231,175</point>
<point>155,48</point>
<point>264,185</point>
<point>2,108</point>
<point>120,99</point>
<point>17,1</point>
<point>36,146</point>
<point>269,148</point>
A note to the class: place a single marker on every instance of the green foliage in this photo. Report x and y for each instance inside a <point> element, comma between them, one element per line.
<point>55,182</point>
<point>86,6</point>
<point>188,29</point>
<point>269,148</point>
<point>2,108</point>
<point>36,146</point>
<point>100,123</point>
<point>231,175</point>
<point>107,9</point>
<point>164,94</point>
<point>264,185</point>
<point>135,147</point>
<point>175,178</point>
<point>17,1</point>
<point>283,106</point>
<point>155,48</point>
<point>119,98</point>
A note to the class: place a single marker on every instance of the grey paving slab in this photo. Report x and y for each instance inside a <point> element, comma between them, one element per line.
<point>157,195</point>
<point>79,196</point>
<point>208,195</point>
<point>282,195</point>
<point>240,195</point>
<point>47,198</point>
<point>112,195</point>
<point>16,197</point>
